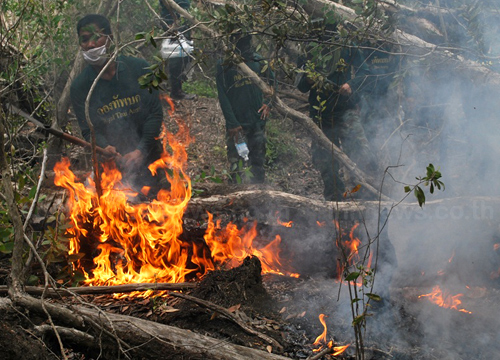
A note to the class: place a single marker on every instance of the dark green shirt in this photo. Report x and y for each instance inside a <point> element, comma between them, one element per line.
<point>382,65</point>
<point>240,99</point>
<point>123,115</point>
<point>349,68</point>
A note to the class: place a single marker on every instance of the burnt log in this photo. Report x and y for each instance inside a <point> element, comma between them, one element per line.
<point>137,332</point>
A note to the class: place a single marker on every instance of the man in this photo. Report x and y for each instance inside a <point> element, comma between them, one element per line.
<point>177,66</point>
<point>334,95</point>
<point>242,103</point>
<point>126,118</point>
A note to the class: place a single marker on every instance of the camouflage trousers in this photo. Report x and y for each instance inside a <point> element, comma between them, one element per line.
<point>256,142</point>
<point>347,133</point>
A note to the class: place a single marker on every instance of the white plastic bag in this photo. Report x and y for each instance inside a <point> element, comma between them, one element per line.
<point>176,48</point>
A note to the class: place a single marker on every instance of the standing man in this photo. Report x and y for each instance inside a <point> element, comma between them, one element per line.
<point>126,118</point>
<point>243,106</point>
<point>178,66</point>
<point>334,95</point>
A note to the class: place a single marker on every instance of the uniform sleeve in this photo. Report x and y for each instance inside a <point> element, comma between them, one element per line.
<point>225,104</point>
<point>78,94</point>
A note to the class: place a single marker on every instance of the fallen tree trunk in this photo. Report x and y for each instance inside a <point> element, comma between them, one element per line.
<point>265,204</point>
<point>136,332</point>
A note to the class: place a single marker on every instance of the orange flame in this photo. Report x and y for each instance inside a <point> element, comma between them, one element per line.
<point>340,349</point>
<point>170,103</point>
<point>231,246</point>
<point>349,246</point>
<point>452,256</point>
<point>496,247</point>
<point>444,299</point>
<point>321,338</point>
<point>285,224</point>
<point>140,243</point>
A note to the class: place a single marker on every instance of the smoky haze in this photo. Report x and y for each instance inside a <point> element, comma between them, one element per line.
<point>452,121</point>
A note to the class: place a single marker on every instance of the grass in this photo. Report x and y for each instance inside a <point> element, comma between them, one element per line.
<point>201,88</point>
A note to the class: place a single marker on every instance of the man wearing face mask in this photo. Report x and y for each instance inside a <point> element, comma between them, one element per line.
<point>126,118</point>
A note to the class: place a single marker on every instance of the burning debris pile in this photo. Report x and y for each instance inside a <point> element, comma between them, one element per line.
<point>142,242</point>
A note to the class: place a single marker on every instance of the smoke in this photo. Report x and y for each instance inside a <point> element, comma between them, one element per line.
<point>438,115</point>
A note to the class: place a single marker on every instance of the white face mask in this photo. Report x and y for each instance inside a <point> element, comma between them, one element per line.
<point>96,56</point>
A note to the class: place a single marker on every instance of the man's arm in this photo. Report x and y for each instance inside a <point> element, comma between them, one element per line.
<point>225,104</point>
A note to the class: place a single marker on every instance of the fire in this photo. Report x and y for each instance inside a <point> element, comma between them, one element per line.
<point>340,349</point>
<point>119,242</point>
<point>444,299</point>
<point>285,224</point>
<point>349,246</point>
<point>322,339</point>
<point>231,246</point>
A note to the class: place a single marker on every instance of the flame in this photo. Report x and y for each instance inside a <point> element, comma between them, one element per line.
<point>496,247</point>
<point>282,223</point>
<point>444,299</point>
<point>349,245</point>
<point>125,243</point>
<point>170,103</point>
<point>321,338</point>
<point>340,349</point>
<point>285,224</point>
<point>452,256</point>
<point>231,246</point>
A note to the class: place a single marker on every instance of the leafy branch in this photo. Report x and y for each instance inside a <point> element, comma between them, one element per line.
<point>431,179</point>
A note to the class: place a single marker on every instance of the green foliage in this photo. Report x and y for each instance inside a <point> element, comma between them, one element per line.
<point>202,88</point>
<point>431,179</point>
<point>280,144</point>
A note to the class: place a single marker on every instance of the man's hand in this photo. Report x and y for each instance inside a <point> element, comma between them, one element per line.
<point>264,111</point>
<point>111,152</point>
<point>233,133</point>
<point>345,90</point>
<point>132,159</point>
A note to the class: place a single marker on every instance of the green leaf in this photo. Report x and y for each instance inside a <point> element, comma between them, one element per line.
<point>33,280</point>
<point>32,193</point>
<point>419,194</point>
<point>352,276</point>
<point>75,257</point>
<point>374,297</point>
<point>407,189</point>
<point>358,320</point>
<point>77,277</point>
<point>6,248</point>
